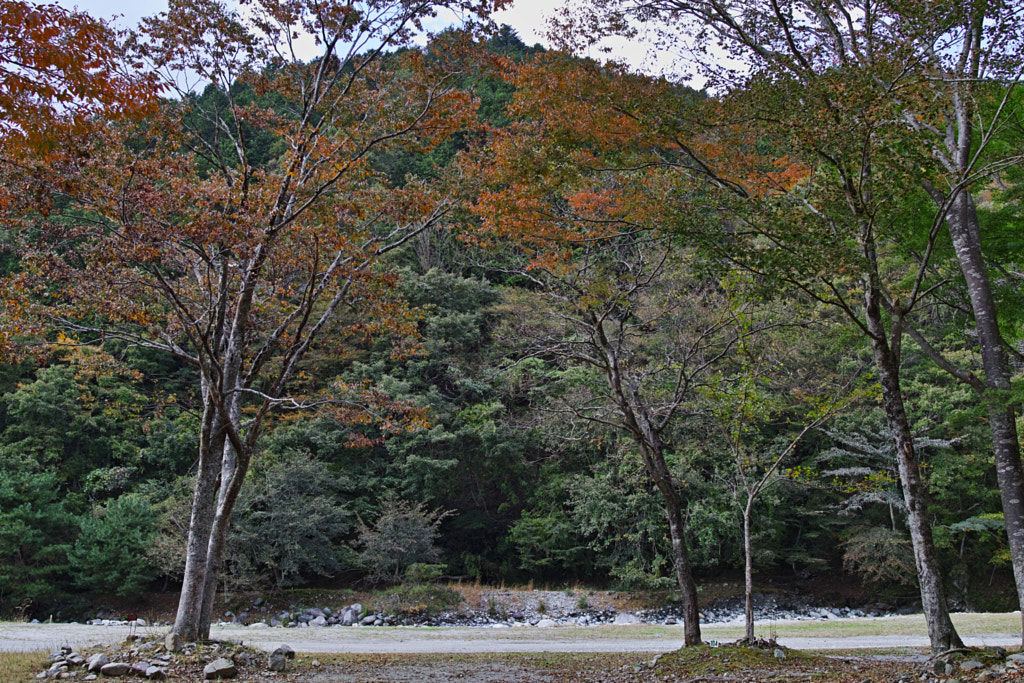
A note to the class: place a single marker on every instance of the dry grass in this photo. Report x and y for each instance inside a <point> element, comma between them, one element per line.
<point>21,666</point>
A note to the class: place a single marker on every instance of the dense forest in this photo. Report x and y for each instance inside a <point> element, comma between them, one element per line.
<point>490,311</point>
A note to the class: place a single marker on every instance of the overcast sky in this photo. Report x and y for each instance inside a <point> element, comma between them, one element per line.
<point>527,17</point>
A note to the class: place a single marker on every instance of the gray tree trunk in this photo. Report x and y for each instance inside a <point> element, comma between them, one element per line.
<point>657,469</point>
<point>748,574</point>
<point>941,632</point>
<point>190,601</point>
<point>965,231</point>
<point>636,418</point>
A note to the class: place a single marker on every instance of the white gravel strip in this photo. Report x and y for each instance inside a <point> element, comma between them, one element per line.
<point>19,637</point>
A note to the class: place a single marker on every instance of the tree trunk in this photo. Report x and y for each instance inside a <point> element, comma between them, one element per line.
<point>188,620</point>
<point>941,632</point>
<point>231,485</point>
<point>637,421</point>
<point>748,574</point>
<point>962,220</point>
<point>684,573</point>
<point>651,452</point>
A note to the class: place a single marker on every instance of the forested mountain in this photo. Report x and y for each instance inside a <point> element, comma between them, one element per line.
<point>514,312</point>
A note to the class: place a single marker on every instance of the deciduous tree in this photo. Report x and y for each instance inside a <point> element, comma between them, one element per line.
<point>943,73</point>
<point>180,235</point>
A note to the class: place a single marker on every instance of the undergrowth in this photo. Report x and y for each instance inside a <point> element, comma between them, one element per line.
<point>416,600</point>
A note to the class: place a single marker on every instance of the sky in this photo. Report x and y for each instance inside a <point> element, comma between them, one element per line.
<point>527,17</point>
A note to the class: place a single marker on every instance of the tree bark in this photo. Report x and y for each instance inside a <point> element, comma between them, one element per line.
<point>748,574</point>
<point>941,632</point>
<point>187,622</point>
<point>677,531</point>
<point>964,229</point>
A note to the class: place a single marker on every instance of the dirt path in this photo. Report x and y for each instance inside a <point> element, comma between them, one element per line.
<point>18,637</point>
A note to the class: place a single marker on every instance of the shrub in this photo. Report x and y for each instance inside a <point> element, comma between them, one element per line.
<point>421,572</point>
<point>403,535</point>
<point>416,600</point>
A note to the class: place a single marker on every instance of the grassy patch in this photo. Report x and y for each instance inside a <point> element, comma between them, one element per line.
<point>20,666</point>
<point>416,600</point>
<point>742,663</point>
<point>710,664</point>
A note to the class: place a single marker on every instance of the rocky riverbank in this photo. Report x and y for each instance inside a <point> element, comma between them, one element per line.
<point>539,608</point>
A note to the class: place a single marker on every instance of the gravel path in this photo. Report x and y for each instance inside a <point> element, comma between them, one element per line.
<point>18,637</point>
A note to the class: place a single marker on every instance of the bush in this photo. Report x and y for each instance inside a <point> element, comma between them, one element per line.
<point>109,555</point>
<point>403,535</point>
<point>416,600</point>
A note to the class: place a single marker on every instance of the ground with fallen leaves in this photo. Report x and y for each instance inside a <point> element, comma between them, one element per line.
<point>725,664</point>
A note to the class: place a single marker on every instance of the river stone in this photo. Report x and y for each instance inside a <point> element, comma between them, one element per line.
<point>140,668</point>
<point>626,619</point>
<point>318,621</point>
<point>96,662</point>
<point>368,620</point>
<point>277,660</point>
<point>155,673</point>
<point>75,659</point>
<point>287,650</point>
<point>115,669</point>
<point>546,623</point>
<point>348,616</point>
<point>971,665</point>
<point>220,668</point>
